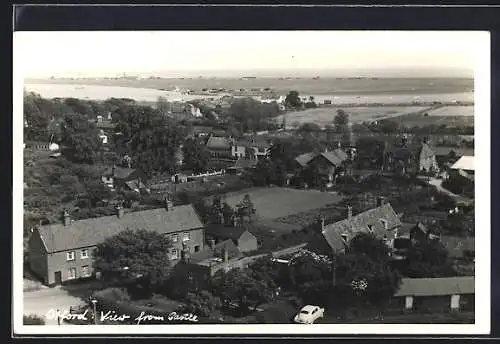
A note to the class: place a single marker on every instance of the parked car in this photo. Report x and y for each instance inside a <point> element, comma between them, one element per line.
<point>309,314</point>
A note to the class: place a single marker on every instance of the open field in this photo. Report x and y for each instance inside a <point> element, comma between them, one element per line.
<point>306,86</point>
<point>324,116</point>
<point>419,120</point>
<point>275,202</point>
<point>452,111</point>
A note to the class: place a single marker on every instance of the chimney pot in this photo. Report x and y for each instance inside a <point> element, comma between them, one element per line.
<point>119,212</point>
<point>349,211</point>
<point>380,201</point>
<point>226,255</point>
<point>67,218</point>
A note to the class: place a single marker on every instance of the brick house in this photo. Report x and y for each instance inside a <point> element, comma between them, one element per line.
<point>381,221</point>
<point>438,294</point>
<point>407,157</point>
<point>62,252</point>
<point>241,237</point>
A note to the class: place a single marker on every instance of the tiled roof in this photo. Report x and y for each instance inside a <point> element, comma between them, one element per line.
<point>443,151</point>
<point>134,184</point>
<point>304,159</point>
<point>215,142</point>
<point>464,163</point>
<point>119,172</point>
<point>359,224</point>
<point>436,286</point>
<point>226,232</point>
<point>336,157</point>
<point>208,252</point>
<point>257,142</point>
<point>90,232</point>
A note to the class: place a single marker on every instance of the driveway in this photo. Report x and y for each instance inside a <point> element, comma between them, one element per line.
<point>39,302</point>
<point>437,184</point>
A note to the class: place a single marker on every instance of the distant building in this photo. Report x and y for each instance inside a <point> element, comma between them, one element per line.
<point>254,147</point>
<point>219,146</point>
<point>327,164</point>
<point>407,157</point>
<point>118,177</point>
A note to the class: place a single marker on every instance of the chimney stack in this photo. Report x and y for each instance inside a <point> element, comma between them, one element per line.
<point>119,211</point>
<point>168,203</point>
<point>349,211</point>
<point>67,218</point>
<point>322,223</point>
<point>380,201</point>
<point>211,243</point>
<point>226,254</point>
<point>113,170</point>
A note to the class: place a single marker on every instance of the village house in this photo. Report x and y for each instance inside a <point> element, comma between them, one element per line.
<point>251,148</point>
<point>326,164</point>
<point>118,177</point>
<point>463,167</point>
<point>219,147</point>
<point>63,252</point>
<point>405,157</point>
<point>382,221</point>
<point>241,237</point>
<point>438,294</point>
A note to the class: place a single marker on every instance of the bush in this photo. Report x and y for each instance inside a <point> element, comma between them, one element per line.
<point>280,314</point>
<point>113,294</point>
<point>32,320</point>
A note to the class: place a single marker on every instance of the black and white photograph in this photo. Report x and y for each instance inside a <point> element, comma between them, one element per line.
<point>284,182</point>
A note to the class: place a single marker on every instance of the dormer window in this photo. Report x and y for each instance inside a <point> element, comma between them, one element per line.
<point>384,223</point>
<point>370,228</point>
<point>344,237</point>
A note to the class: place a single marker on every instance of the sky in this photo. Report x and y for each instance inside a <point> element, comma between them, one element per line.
<point>241,53</point>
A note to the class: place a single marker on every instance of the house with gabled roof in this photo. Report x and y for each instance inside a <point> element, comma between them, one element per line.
<point>382,221</point>
<point>240,236</point>
<point>254,147</point>
<point>62,252</point>
<point>326,164</point>
<point>405,157</point>
<point>117,177</point>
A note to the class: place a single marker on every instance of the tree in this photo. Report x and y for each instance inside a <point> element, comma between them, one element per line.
<point>237,286</point>
<point>293,100</point>
<point>251,114</point>
<point>32,320</point>
<point>428,258</point>
<point>341,121</point>
<point>215,212</point>
<point>80,139</point>
<point>163,106</point>
<point>196,156</point>
<point>245,209</point>
<point>203,303</point>
<point>142,255</point>
<point>373,247</point>
<point>97,191</point>
<point>309,128</point>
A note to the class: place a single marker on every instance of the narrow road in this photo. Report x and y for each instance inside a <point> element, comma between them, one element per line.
<point>40,302</point>
<point>437,184</point>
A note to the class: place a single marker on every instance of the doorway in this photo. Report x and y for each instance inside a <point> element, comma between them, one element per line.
<point>58,277</point>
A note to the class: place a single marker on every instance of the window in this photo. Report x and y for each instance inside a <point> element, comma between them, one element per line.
<point>185,236</point>
<point>344,237</point>
<point>85,271</point>
<point>384,223</point>
<point>71,273</point>
<point>175,238</point>
<point>70,255</point>
<point>84,254</point>
<point>174,254</point>
<point>370,228</point>
<point>197,248</point>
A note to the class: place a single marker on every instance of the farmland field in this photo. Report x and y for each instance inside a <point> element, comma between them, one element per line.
<point>412,120</point>
<point>324,116</point>
<point>275,202</point>
<point>452,111</point>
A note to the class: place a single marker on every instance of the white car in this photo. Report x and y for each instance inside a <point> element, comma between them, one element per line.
<point>309,314</point>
